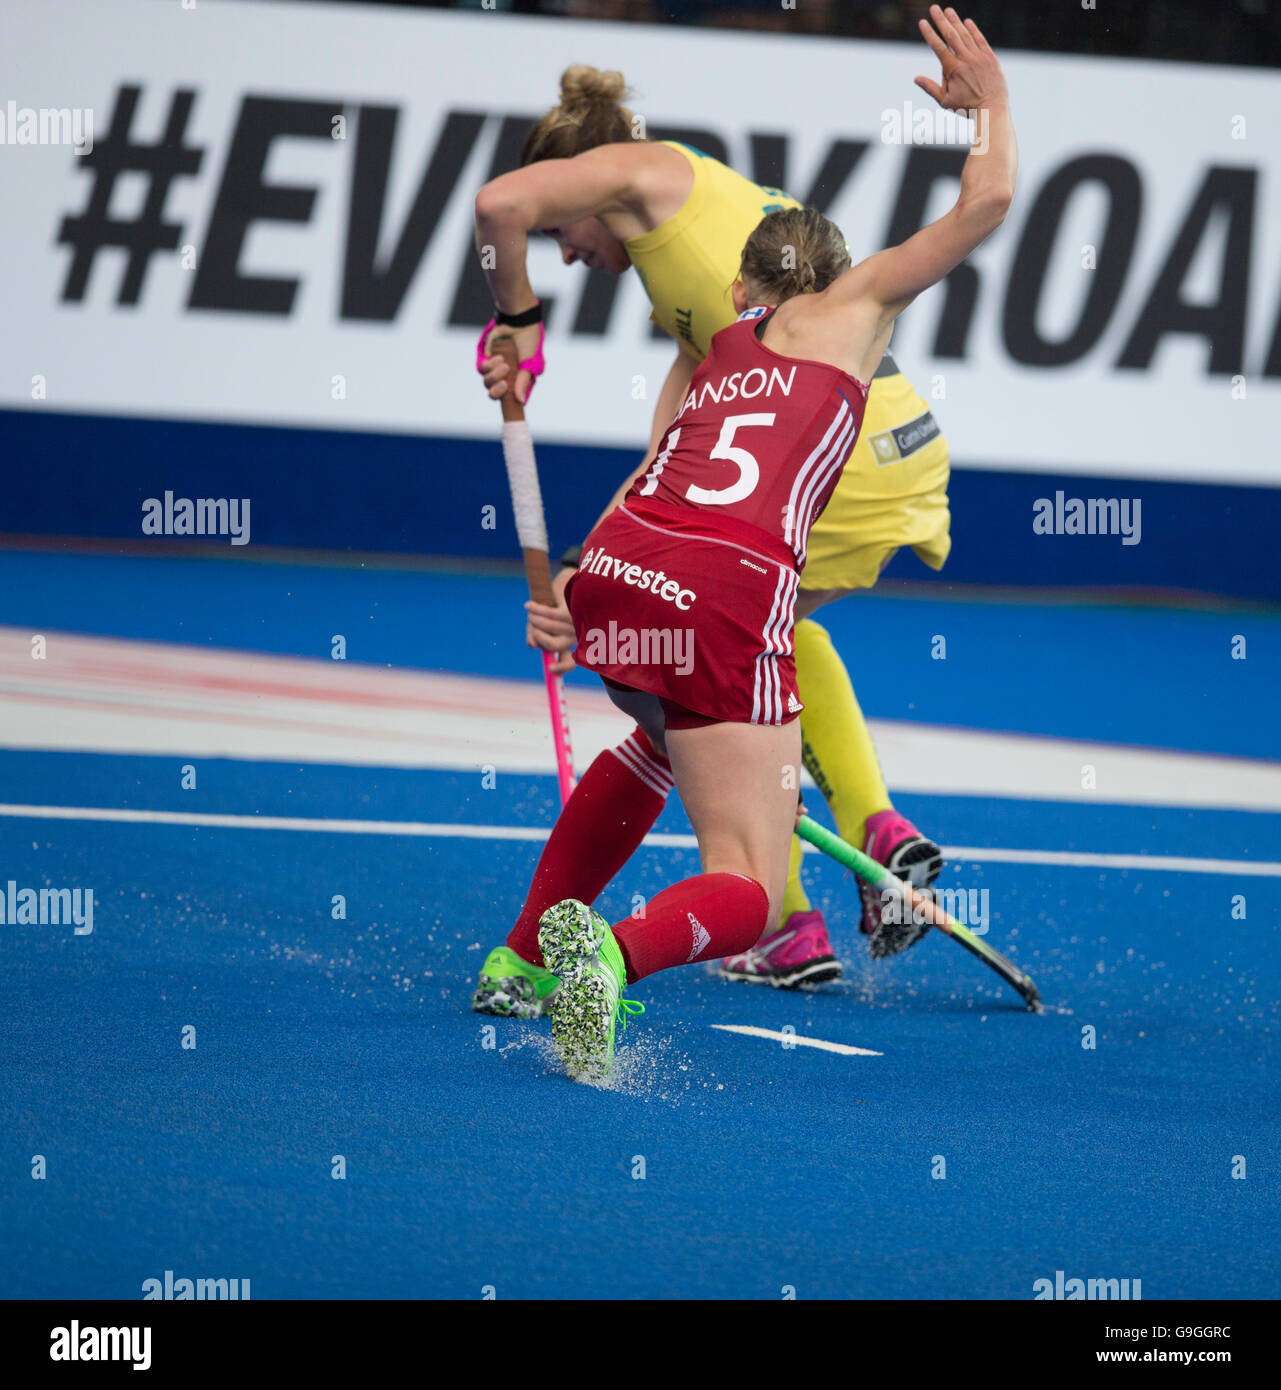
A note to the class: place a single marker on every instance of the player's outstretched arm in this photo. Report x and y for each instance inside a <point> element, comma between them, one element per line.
<point>972,82</point>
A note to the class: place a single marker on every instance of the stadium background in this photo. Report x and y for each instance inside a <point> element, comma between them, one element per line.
<point>322,329</point>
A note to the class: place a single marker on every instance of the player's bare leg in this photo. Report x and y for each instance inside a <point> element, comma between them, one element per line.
<point>738,784</point>
<point>839,755</point>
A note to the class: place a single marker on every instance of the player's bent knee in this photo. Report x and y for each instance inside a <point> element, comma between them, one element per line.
<point>742,864</point>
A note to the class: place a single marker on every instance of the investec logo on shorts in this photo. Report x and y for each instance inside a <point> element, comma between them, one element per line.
<point>48,125</point>
<point>181,1289</point>
<point>655,582</point>
<point>200,516</point>
<point>1096,516</point>
<point>47,907</point>
<point>1071,1289</point>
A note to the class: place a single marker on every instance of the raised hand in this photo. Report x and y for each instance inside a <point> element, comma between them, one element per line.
<point>972,77</point>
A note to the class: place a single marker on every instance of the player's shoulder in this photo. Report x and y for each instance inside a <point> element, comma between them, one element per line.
<point>813,330</point>
<point>655,160</point>
<point>638,160</point>
<point>838,310</point>
<point>659,176</point>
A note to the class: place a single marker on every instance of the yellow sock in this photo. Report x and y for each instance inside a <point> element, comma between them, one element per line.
<point>837,747</point>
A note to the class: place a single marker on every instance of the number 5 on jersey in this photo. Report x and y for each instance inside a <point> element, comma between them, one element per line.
<point>749,471</point>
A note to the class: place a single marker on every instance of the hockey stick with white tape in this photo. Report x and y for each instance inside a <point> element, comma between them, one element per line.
<point>531,530</point>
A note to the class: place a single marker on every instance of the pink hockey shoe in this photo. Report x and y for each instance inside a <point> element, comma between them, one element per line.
<point>894,841</point>
<point>800,954</point>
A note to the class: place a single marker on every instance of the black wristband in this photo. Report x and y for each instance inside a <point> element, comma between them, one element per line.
<point>572,557</point>
<point>521,320</point>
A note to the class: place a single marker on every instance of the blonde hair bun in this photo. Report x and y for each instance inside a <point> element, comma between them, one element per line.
<point>582,85</point>
<point>590,113</point>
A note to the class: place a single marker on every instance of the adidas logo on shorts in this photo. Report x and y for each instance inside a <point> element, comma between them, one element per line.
<point>701,937</point>
<point>794,706</point>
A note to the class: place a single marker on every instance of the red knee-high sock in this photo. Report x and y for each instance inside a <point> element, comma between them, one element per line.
<point>611,811</point>
<point>702,918</point>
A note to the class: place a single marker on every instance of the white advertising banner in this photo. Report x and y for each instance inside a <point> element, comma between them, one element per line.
<point>262,213</point>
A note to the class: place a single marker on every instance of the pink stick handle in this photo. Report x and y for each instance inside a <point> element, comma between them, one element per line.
<point>560,729</point>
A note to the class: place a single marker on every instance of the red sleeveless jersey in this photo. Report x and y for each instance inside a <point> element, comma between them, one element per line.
<point>759,438</point>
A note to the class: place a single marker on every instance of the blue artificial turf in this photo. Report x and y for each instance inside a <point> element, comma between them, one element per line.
<point>766,1167</point>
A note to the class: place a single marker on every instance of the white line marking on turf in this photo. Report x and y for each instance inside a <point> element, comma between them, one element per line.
<point>232,822</point>
<point>149,699</point>
<point>789,1038</point>
<point>433,830</point>
<point>1174,863</point>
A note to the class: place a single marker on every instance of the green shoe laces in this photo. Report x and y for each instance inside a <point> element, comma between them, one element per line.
<point>627,1008</point>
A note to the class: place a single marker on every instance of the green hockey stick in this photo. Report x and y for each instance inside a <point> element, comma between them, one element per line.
<point>880,877</point>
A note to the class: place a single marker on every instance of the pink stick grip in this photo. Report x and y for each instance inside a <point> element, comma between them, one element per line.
<point>560,729</point>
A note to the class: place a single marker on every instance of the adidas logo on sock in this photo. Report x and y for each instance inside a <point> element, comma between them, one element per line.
<point>701,937</point>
